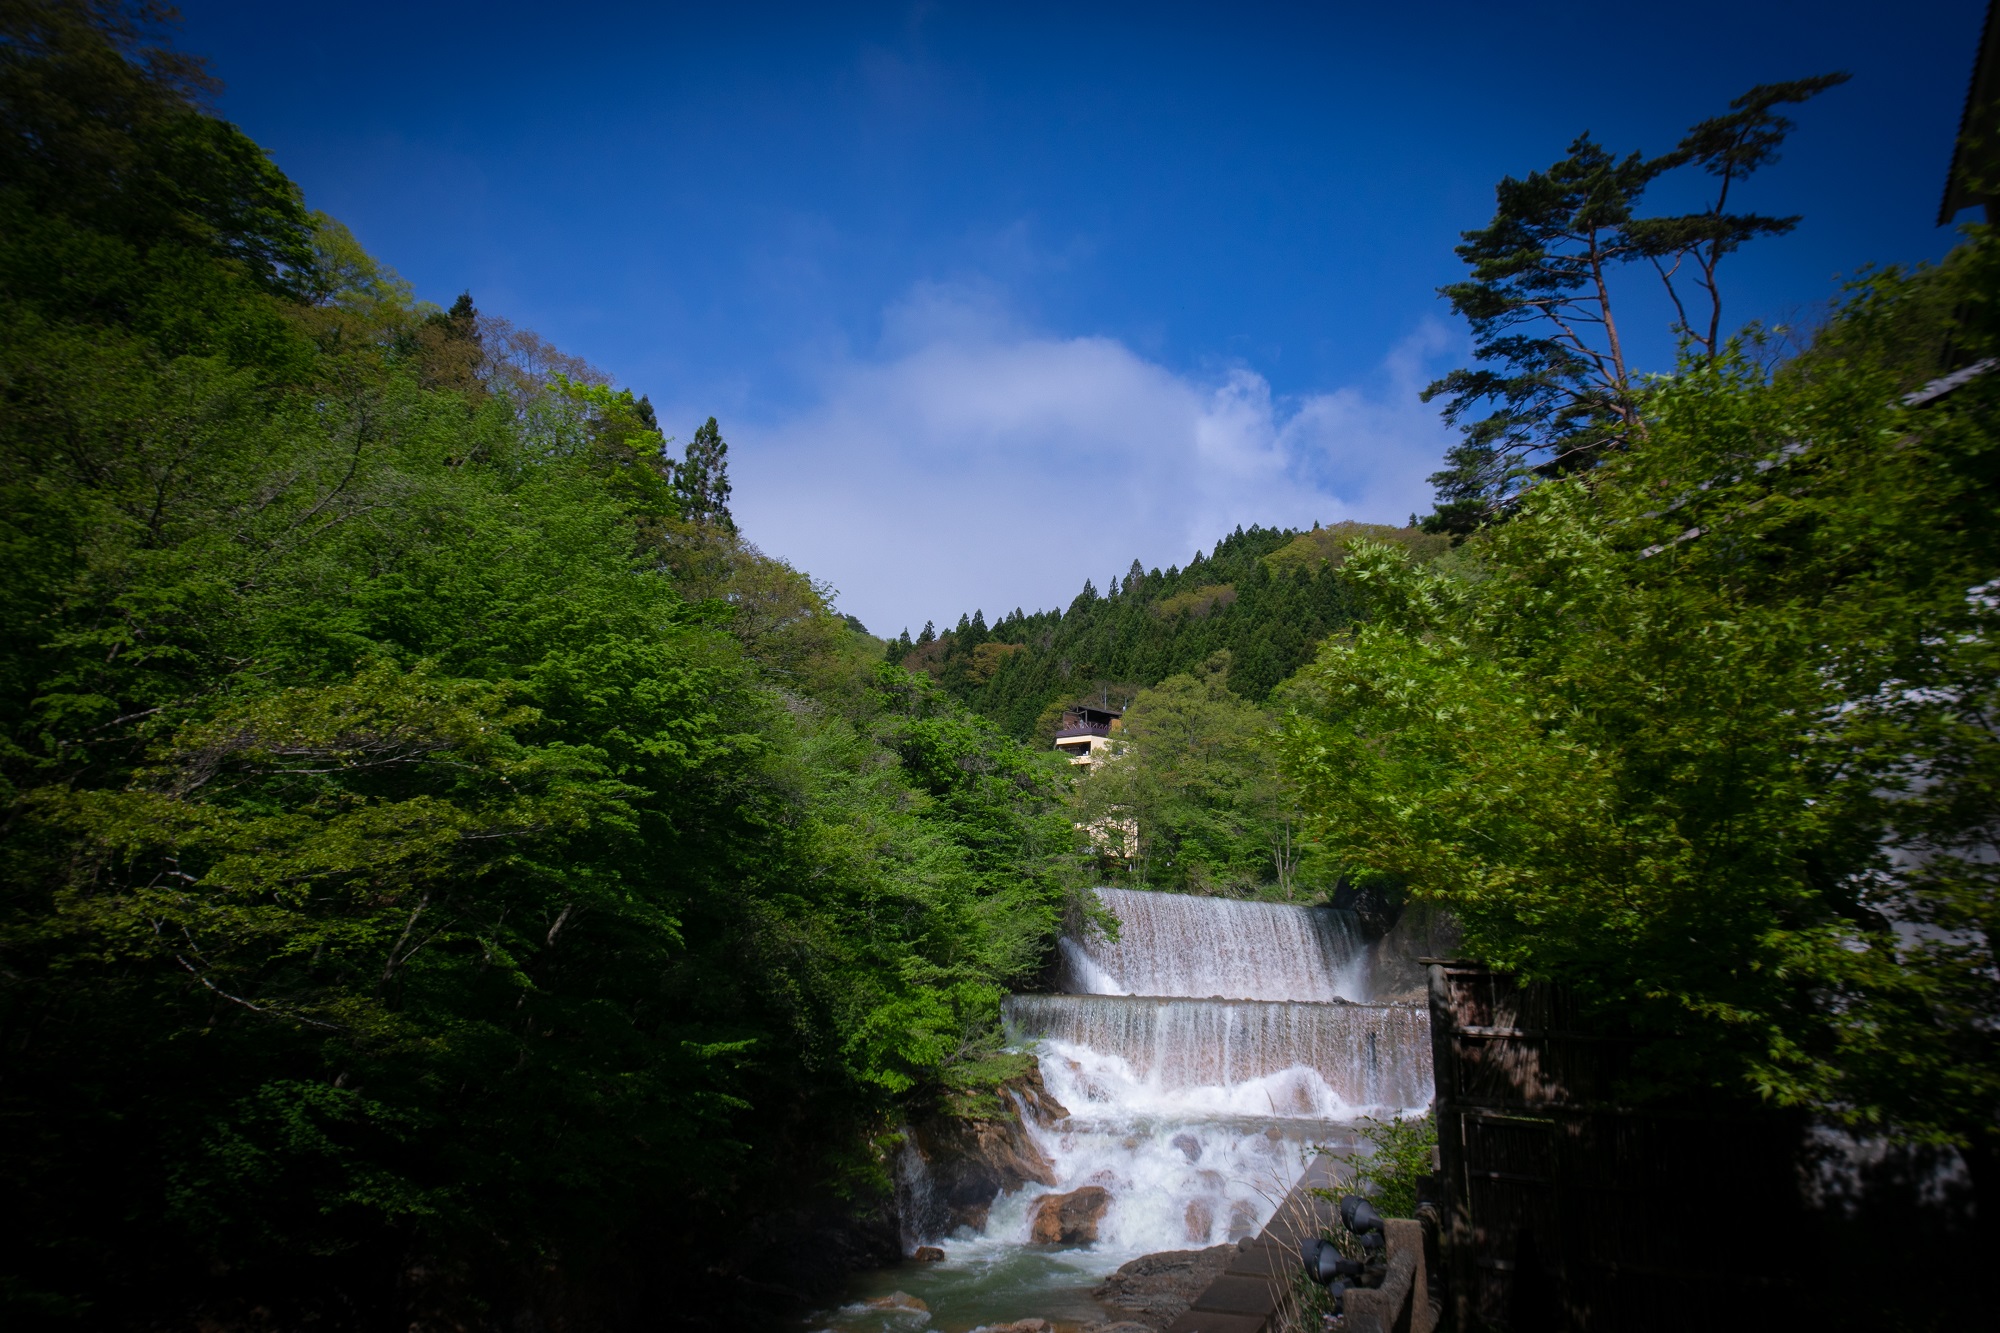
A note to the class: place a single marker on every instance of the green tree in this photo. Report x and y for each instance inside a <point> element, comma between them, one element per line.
<point>419,855</point>
<point>702,478</point>
<point>101,124</point>
<point>1265,595</point>
<point>1189,794</point>
<point>1707,734</point>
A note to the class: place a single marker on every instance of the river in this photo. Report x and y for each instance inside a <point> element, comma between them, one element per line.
<point>1203,1055</point>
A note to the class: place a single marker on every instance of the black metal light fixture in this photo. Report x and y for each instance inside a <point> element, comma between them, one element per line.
<point>1359,1214</point>
<point>1325,1265</point>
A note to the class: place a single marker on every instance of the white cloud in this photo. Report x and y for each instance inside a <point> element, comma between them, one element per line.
<point>980,465</point>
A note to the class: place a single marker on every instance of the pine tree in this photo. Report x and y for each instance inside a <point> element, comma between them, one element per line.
<point>447,350</point>
<point>461,322</point>
<point>1555,383</point>
<point>701,478</point>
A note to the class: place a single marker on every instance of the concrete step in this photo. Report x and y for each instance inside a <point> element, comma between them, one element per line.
<point>1234,1294</point>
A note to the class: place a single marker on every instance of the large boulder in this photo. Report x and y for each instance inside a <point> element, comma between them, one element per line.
<point>1412,931</point>
<point>1155,1289</point>
<point>969,1161</point>
<point>1069,1219</point>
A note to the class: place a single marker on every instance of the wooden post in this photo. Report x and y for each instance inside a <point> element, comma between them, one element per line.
<point>1455,1233</point>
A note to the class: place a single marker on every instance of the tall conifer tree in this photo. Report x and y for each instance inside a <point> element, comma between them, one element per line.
<point>1555,381</point>
<point>702,478</point>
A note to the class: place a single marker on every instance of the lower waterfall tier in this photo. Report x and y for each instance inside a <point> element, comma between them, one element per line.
<point>1314,1061</point>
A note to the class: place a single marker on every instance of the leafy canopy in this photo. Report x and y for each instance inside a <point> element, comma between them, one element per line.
<point>1707,733</point>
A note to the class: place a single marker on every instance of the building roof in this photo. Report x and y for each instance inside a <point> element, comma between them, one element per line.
<point>1982,163</point>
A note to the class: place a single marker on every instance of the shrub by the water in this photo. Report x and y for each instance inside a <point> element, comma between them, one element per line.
<point>1400,1156</point>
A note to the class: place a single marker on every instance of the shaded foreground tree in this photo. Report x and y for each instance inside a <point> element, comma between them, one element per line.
<point>1709,734</point>
<point>424,901</point>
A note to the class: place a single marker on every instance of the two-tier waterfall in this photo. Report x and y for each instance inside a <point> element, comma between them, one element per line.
<point>1201,1052</point>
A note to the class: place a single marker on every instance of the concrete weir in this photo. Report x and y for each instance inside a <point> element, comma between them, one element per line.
<point>1363,1055</point>
<point>1198,1059</point>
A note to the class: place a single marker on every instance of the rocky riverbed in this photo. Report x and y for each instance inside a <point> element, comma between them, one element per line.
<point>1143,1296</point>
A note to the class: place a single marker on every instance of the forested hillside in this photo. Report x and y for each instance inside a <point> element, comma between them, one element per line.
<point>1267,596</point>
<point>446,870</point>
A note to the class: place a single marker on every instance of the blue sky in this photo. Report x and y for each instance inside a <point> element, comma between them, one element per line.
<point>991,298</point>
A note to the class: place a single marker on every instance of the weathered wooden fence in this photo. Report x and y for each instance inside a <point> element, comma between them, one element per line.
<point>1564,1210</point>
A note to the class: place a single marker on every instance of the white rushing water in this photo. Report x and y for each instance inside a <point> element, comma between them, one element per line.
<point>1202,1056</point>
<point>1231,1057</point>
<point>1181,944</point>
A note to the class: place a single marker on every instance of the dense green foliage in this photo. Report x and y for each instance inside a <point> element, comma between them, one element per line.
<point>1264,596</point>
<point>433,841</point>
<point>446,870</point>
<point>1709,732</point>
<point>1192,802</point>
<point>1189,797</point>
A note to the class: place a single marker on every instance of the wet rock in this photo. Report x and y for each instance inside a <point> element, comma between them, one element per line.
<point>1242,1219</point>
<point>1200,1218</point>
<point>928,1254</point>
<point>971,1161</point>
<point>1375,905</point>
<point>896,1300</point>
<point>1155,1289</point>
<point>1018,1326</point>
<point>1069,1219</point>
<point>1122,1326</point>
<point>1189,1145</point>
<point>1034,1097</point>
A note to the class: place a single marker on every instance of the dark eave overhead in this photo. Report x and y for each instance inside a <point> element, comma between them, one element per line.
<point>1979,97</point>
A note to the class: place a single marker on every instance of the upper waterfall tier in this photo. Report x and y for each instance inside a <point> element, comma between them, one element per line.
<point>1178,944</point>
